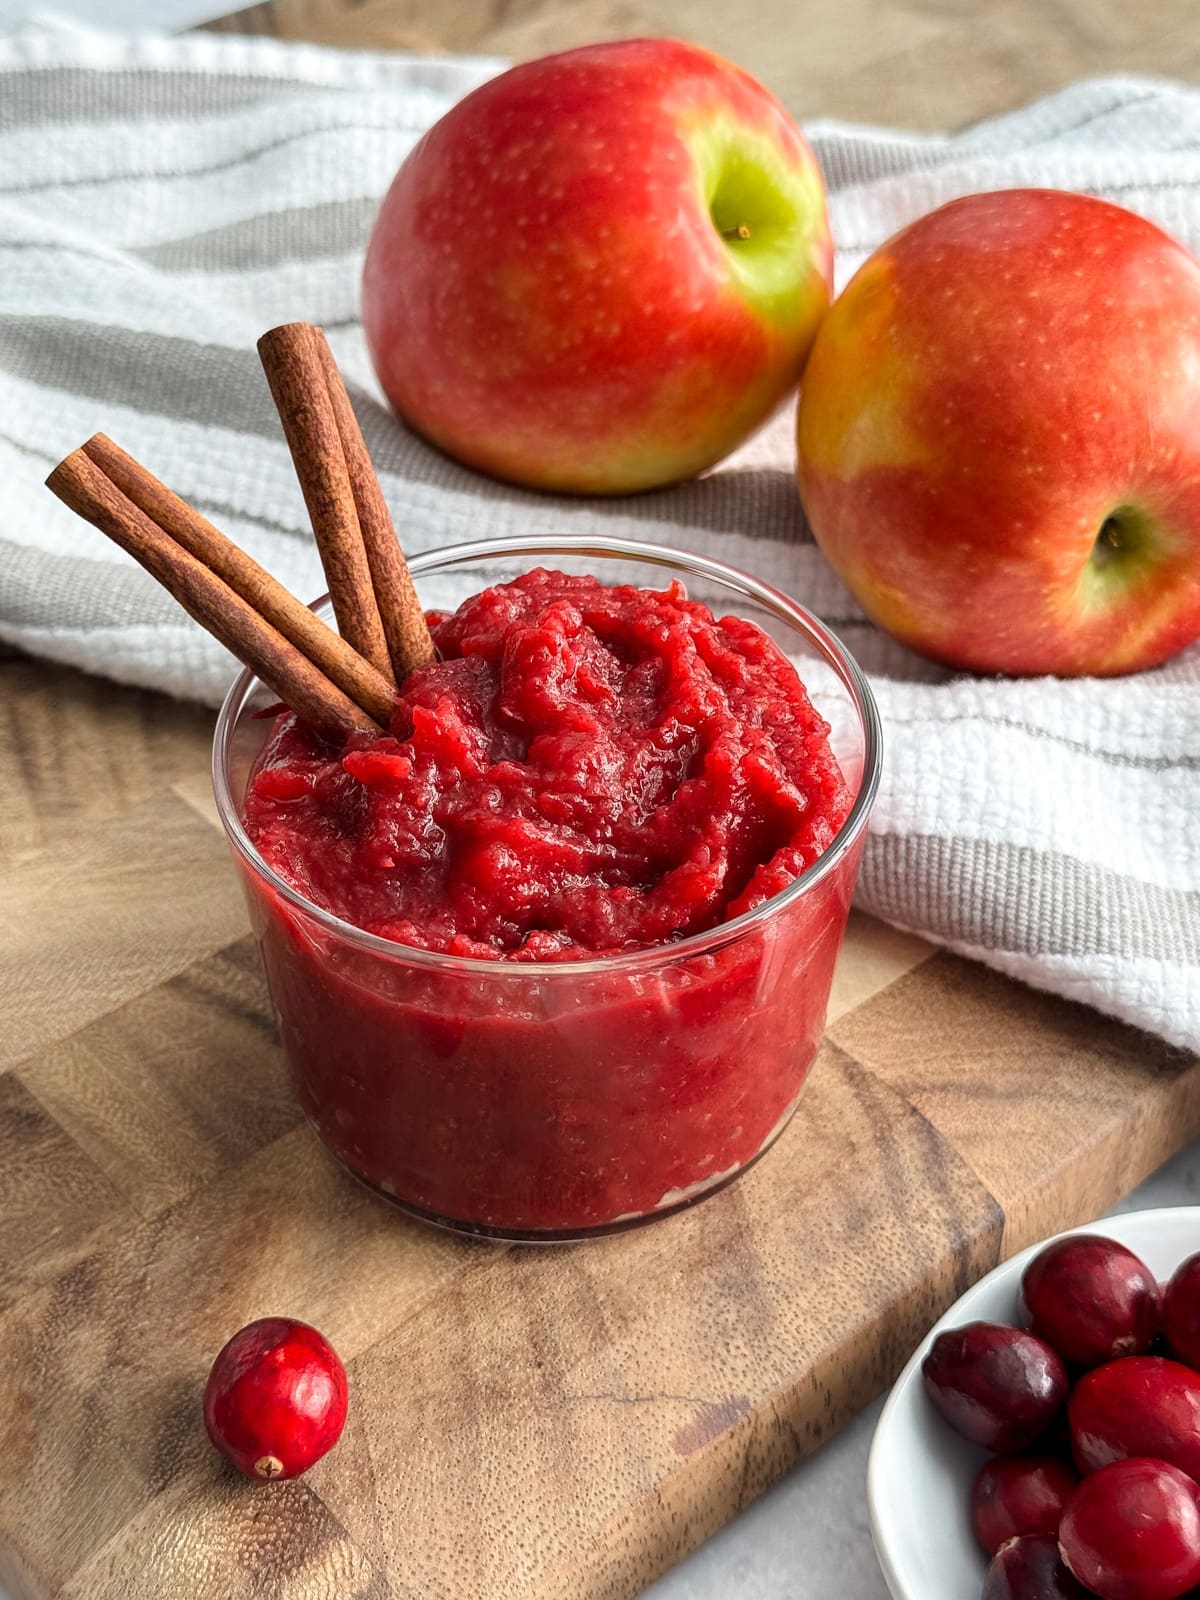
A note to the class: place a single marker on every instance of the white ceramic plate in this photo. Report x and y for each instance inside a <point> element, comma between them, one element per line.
<point>920,1471</point>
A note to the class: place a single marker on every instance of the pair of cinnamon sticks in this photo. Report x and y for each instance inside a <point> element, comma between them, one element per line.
<point>339,682</point>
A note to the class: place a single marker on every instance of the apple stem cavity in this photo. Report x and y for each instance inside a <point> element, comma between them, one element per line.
<point>1108,542</point>
<point>1129,547</point>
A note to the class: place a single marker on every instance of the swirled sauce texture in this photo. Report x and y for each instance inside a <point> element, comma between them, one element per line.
<point>584,770</point>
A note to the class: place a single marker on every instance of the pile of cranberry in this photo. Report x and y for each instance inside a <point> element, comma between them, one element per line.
<point>1096,1489</point>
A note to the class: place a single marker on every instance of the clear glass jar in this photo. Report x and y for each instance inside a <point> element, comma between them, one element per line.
<point>555,1100</point>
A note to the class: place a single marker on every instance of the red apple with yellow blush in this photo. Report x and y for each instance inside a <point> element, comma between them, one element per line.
<point>999,436</point>
<point>601,270</point>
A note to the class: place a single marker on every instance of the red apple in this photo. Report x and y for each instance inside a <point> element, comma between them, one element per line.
<point>999,436</point>
<point>601,270</point>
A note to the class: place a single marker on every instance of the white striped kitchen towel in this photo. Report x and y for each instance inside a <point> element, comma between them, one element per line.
<point>162,201</point>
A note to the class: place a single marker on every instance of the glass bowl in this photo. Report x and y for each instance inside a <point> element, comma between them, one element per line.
<point>547,1101</point>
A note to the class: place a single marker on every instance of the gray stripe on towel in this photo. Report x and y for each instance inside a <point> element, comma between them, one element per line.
<point>57,95</point>
<point>302,233</point>
<point>225,388</point>
<point>1003,896</point>
<point>222,388</point>
<point>86,593</point>
<point>241,158</point>
<point>1114,758</point>
<point>299,233</point>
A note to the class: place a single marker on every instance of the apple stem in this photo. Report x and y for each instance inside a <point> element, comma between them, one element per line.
<point>740,232</point>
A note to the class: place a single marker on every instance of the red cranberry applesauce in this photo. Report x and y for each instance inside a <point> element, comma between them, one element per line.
<point>548,897</point>
<point>584,978</point>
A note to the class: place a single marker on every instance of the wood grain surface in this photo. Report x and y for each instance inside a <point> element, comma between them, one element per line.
<point>525,1425</point>
<point>928,64</point>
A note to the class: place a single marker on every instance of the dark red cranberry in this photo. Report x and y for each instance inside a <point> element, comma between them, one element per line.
<point>1141,1406</point>
<point>275,1400</point>
<point>1030,1569</point>
<point>1014,1495</point>
<point>1091,1299</point>
<point>1132,1531</point>
<point>1181,1311</point>
<point>997,1386</point>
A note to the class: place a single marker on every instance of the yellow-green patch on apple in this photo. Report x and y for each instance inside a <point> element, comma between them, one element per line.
<point>760,203</point>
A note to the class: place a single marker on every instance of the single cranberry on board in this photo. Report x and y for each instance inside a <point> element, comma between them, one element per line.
<point>1132,1531</point>
<point>1139,1406</point>
<point>1092,1299</point>
<point>996,1385</point>
<point>275,1401</point>
<point>1181,1311</point>
<point>1016,1495</point>
<point>1031,1568</point>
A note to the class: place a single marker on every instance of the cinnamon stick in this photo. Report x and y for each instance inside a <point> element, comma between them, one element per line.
<point>409,642</point>
<point>81,484</point>
<point>296,375</point>
<point>356,677</point>
<point>338,684</point>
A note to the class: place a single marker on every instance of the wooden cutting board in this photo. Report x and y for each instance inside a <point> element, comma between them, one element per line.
<point>539,1424</point>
